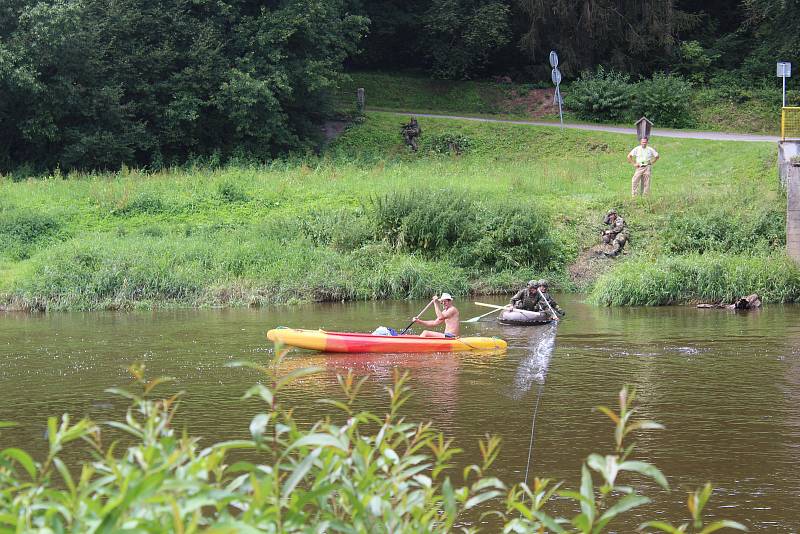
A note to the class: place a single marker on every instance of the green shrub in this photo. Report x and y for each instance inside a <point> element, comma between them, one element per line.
<point>664,99</point>
<point>600,96</point>
<point>342,229</point>
<point>473,234</point>
<point>22,230</point>
<point>431,221</point>
<point>143,203</point>
<point>232,192</point>
<point>512,237</point>
<point>724,231</point>
<point>708,278</point>
<point>449,143</point>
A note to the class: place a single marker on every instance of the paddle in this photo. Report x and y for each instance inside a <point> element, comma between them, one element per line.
<point>478,318</point>
<point>420,313</point>
<point>555,315</point>
<point>489,305</point>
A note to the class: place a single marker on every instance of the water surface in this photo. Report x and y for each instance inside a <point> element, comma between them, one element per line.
<point>725,384</point>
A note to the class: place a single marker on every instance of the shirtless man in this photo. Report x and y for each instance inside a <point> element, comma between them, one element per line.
<point>448,316</point>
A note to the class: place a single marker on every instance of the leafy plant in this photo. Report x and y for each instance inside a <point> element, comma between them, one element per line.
<point>232,192</point>
<point>600,95</point>
<point>449,143</point>
<point>22,230</point>
<point>665,99</point>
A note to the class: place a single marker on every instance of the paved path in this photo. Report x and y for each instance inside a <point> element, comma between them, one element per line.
<point>713,136</point>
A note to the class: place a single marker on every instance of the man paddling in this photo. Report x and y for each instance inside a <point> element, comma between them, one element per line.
<point>545,299</point>
<point>447,314</point>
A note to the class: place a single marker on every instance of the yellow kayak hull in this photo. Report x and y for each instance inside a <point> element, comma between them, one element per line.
<point>324,341</point>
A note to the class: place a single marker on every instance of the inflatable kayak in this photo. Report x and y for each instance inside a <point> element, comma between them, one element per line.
<point>523,318</point>
<point>355,342</point>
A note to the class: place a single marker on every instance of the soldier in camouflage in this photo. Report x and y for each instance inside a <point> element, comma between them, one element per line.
<point>527,298</point>
<point>616,235</point>
<point>411,133</point>
<point>544,298</point>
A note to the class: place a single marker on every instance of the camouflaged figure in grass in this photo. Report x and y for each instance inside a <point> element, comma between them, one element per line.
<point>411,133</point>
<point>616,235</point>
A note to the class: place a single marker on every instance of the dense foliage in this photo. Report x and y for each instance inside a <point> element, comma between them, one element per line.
<point>610,96</point>
<point>96,84</point>
<point>601,95</point>
<point>355,471</point>
<point>446,223</point>
<point>663,99</point>
<point>99,83</point>
<point>700,40</point>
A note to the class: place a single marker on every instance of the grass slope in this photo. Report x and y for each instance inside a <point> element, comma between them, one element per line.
<point>315,228</point>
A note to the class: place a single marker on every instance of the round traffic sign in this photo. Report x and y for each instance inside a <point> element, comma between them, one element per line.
<point>553,59</point>
<point>556,76</point>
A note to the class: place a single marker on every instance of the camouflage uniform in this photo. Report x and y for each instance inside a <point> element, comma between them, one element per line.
<point>617,235</point>
<point>411,133</point>
<point>543,307</point>
<point>523,299</point>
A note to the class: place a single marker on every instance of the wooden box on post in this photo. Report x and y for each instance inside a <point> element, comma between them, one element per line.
<point>643,127</point>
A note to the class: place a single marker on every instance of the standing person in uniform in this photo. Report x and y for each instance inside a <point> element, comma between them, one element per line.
<point>642,157</point>
<point>411,133</point>
<point>448,315</point>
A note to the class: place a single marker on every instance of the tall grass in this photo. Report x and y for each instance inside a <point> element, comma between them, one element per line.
<point>708,278</point>
<point>370,219</point>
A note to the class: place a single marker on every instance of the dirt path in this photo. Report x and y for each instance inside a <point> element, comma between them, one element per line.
<point>685,134</point>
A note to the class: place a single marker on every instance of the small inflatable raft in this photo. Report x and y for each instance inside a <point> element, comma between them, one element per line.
<point>518,317</point>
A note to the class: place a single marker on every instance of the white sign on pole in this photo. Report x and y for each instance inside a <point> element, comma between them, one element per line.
<point>556,76</point>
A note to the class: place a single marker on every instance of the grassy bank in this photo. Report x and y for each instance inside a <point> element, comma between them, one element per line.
<point>371,220</point>
<point>713,109</point>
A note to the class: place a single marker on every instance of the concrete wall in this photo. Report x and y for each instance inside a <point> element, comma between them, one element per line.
<point>793,212</point>
<point>786,151</point>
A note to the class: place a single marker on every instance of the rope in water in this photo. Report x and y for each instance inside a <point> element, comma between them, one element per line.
<point>541,345</point>
<point>533,431</point>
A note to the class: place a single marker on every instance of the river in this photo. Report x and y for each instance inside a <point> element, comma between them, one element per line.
<point>725,384</point>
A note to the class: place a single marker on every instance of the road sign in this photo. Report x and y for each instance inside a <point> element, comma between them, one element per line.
<point>556,76</point>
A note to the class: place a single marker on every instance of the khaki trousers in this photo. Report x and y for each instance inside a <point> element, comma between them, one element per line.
<point>641,181</point>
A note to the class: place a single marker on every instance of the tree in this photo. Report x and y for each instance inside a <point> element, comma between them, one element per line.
<point>628,35</point>
<point>100,83</point>
<point>460,35</point>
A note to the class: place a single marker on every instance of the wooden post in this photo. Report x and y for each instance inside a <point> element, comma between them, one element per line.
<point>361,100</point>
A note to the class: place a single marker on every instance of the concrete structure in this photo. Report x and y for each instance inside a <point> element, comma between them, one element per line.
<point>793,212</point>
<point>786,151</point>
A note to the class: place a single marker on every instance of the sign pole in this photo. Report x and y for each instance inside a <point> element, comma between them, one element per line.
<point>784,70</point>
<point>555,75</point>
